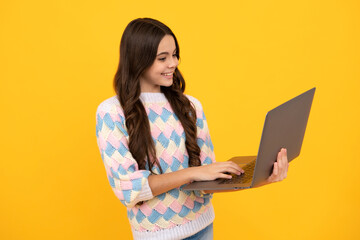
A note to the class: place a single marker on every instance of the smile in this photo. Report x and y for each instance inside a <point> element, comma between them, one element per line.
<point>167,74</point>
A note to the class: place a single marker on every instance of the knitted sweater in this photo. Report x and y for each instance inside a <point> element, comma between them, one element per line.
<point>177,213</point>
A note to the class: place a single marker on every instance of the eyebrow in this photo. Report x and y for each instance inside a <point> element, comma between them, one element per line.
<point>167,53</point>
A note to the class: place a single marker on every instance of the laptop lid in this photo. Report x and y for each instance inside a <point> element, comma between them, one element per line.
<point>284,127</point>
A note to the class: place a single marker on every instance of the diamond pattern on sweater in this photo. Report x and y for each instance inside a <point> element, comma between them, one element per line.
<point>166,210</point>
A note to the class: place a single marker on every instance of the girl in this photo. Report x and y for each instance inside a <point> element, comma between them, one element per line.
<point>154,139</point>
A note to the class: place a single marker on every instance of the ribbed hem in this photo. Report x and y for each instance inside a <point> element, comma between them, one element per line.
<point>152,97</point>
<point>181,231</point>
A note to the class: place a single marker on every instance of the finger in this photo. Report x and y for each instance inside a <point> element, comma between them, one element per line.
<point>280,163</point>
<point>231,165</point>
<point>275,172</point>
<point>223,175</point>
<point>236,166</point>
<point>286,163</point>
<point>233,170</point>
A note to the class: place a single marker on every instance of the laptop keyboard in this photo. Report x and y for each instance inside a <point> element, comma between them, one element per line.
<point>242,178</point>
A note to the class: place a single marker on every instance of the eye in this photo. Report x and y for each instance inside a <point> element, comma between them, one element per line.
<point>162,59</point>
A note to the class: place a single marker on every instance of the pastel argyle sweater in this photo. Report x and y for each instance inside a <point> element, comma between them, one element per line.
<point>177,213</point>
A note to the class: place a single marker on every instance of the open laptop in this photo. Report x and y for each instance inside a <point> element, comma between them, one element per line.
<point>284,127</point>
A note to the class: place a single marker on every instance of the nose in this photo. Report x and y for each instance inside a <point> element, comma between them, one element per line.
<point>173,62</point>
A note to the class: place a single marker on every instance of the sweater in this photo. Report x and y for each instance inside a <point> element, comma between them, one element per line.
<point>177,213</point>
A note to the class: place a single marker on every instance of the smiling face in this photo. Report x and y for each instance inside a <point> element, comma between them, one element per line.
<point>160,73</point>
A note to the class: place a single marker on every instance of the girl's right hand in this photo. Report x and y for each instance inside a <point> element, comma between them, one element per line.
<point>215,170</point>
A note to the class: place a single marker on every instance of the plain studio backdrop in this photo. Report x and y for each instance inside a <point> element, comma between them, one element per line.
<point>239,58</point>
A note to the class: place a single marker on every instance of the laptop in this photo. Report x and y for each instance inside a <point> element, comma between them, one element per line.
<point>284,127</point>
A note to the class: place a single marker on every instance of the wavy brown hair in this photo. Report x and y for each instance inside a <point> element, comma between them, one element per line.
<point>138,49</point>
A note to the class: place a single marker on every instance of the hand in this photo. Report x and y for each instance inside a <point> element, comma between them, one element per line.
<point>215,170</point>
<point>280,167</point>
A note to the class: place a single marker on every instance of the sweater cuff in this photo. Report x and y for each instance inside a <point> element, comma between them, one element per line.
<point>145,193</point>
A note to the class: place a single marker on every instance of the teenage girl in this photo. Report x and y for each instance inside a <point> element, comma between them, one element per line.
<point>154,139</point>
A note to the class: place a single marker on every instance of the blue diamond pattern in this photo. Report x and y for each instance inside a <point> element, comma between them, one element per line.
<point>108,121</point>
<point>131,168</point>
<point>165,114</point>
<point>163,140</point>
<point>175,117</point>
<point>122,119</point>
<point>197,206</point>
<point>185,164</point>
<point>111,181</point>
<point>186,159</point>
<point>207,160</point>
<point>152,116</point>
<point>121,170</point>
<point>127,195</point>
<point>122,129</point>
<point>200,123</point>
<point>184,211</point>
<point>175,164</point>
<point>99,124</point>
<point>115,174</point>
<point>154,216</point>
<point>102,155</point>
<point>164,165</point>
<point>211,144</point>
<point>161,196</point>
<point>122,149</point>
<point>131,214</point>
<point>200,142</point>
<point>176,138</point>
<point>168,214</point>
<point>136,184</point>
<point>140,216</point>
<point>174,193</point>
<point>109,149</point>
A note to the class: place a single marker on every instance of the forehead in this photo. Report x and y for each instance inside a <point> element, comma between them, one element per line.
<point>167,44</point>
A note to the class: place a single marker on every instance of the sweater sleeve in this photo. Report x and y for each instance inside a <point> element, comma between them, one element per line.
<point>207,155</point>
<point>128,183</point>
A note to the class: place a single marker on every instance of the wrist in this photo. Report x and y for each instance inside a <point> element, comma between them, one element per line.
<point>190,174</point>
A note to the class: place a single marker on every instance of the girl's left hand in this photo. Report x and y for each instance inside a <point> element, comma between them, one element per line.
<point>280,167</point>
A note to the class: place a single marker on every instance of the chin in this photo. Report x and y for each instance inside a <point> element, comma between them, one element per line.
<point>168,83</point>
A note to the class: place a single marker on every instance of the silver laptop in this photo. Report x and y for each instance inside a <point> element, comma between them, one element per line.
<point>284,127</point>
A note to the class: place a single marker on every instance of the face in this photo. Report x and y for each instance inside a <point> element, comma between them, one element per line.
<point>161,71</point>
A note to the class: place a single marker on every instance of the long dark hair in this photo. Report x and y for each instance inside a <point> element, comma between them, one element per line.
<point>138,49</point>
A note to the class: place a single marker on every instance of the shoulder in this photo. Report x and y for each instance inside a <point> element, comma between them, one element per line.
<point>110,105</point>
<point>195,101</point>
<point>198,107</point>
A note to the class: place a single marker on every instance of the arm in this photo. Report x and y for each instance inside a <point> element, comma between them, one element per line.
<point>167,181</point>
<point>128,183</point>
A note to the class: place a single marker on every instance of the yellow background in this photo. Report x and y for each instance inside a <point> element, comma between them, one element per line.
<point>239,58</point>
